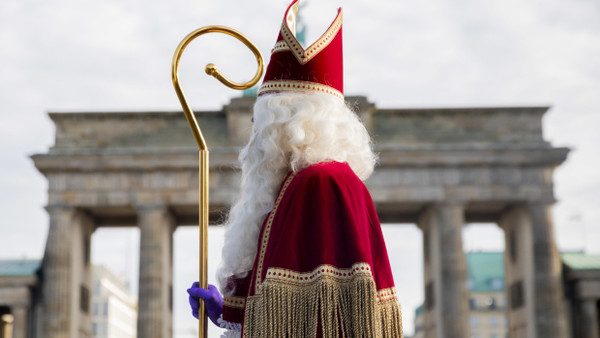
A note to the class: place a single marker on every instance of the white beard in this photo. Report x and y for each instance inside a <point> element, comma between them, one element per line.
<point>260,182</point>
<point>291,131</point>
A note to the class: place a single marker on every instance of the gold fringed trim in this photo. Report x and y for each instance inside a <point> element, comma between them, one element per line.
<point>342,308</point>
<point>390,317</point>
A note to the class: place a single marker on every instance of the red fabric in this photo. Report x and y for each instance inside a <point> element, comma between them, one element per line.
<point>326,216</point>
<point>325,68</point>
<point>240,289</point>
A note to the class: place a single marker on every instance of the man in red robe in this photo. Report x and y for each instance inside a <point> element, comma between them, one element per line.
<point>304,255</point>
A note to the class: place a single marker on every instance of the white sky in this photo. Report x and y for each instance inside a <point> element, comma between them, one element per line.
<point>92,55</point>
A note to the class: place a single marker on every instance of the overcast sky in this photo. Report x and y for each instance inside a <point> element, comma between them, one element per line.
<point>92,55</point>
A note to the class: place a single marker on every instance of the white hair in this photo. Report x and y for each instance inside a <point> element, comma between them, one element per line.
<point>291,131</point>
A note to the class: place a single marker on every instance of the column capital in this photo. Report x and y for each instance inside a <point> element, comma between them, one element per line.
<point>52,208</point>
<point>16,296</point>
<point>449,204</point>
<point>156,206</point>
<point>422,222</point>
<point>23,306</point>
<point>443,205</point>
<point>588,290</point>
<point>540,203</point>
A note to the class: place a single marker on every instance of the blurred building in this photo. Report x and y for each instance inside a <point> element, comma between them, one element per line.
<point>439,168</point>
<point>419,323</point>
<point>487,295</point>
<point>487,299</point>
<point>19,298</point>
<point>114,309</point>
<point>582,284</point>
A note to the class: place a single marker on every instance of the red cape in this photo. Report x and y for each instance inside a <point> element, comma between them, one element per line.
<point>322,266</point>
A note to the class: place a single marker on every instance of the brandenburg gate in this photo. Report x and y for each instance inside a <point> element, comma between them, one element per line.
<point>439,169</point>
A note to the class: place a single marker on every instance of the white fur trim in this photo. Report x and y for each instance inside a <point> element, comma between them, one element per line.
<point>232,330</point>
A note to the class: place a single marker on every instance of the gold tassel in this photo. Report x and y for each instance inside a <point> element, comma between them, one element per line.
<point>342,309</point>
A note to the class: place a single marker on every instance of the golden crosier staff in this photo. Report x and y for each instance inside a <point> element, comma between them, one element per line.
<point>210,69</point>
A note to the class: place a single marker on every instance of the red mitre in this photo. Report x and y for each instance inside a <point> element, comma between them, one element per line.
<point>319,68</point>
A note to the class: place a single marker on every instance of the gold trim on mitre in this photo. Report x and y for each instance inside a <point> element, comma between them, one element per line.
<point>290,17</point>
<point>280,46</point>
<point>298,86</point>
<point>288,31</point>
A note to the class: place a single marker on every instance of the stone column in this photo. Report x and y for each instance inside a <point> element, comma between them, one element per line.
<point>589,319</point>
<point>156,272</point>
<point>518,267</point>
<point>67,274</point>
<point>445,268</point>
<point>550,306</point>
<point>536,305</point>
<point>19,322</point>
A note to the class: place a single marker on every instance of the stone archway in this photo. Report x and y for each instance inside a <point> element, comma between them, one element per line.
<point>439,168</point>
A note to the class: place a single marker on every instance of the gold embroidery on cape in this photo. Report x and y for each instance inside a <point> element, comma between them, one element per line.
<point>329,271</point>
<point>265,238</point>
<point>234,302</point>
<point>289,35</point>
<point>298,86</point>
<point>386,295</point>
<point>325,270</point>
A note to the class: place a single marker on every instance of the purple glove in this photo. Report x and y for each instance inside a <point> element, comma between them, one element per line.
<point>213,301</point>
